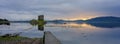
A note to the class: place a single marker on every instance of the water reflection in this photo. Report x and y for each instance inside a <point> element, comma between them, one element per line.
<point>105,25</point>
<point>41,28</point>
<point>86,33</point>
<point>26,30</point>
<point>85,25</point>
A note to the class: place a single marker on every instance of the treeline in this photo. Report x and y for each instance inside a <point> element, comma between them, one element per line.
<point>37,22</point>
<point>4,21</point>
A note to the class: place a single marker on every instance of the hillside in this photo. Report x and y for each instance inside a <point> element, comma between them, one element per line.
<point>108,19</point>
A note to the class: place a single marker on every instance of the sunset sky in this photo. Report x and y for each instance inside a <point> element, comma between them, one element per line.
<point>58,9</point>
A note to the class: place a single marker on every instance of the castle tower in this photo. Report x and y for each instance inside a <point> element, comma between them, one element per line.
<point>41,17</point>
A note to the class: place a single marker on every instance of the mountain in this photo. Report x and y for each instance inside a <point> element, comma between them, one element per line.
<point>107,19</point>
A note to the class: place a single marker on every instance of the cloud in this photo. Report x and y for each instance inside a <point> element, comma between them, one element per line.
<point>57,9</point>
<point>18,16</point>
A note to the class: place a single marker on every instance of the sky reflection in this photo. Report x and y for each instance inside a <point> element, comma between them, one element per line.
<point>85,34</point>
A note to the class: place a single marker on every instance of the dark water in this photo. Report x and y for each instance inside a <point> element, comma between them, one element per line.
<point>71,33</point>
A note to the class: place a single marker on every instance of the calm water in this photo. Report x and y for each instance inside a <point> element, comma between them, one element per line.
<point>70,33</point>
<point>25,30</point>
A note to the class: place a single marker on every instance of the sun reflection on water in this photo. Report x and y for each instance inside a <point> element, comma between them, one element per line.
<point>71,25</point>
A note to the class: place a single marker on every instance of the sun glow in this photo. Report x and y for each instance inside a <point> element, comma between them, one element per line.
<point>82,18</point>
<point>78,19</point>
<point>84,15</point>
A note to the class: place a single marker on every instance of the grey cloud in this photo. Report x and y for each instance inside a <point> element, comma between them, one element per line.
<point>55,8</point>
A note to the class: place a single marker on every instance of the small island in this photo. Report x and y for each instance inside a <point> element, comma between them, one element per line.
<point>4,21</point>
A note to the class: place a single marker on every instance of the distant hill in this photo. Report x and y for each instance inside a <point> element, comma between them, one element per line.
<point>56,21</point>
<point>79,21</point>
<point>107,19</point>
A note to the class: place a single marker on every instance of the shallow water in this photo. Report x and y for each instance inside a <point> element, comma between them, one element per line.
<point>71,33</point>
<point>25,30</point>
